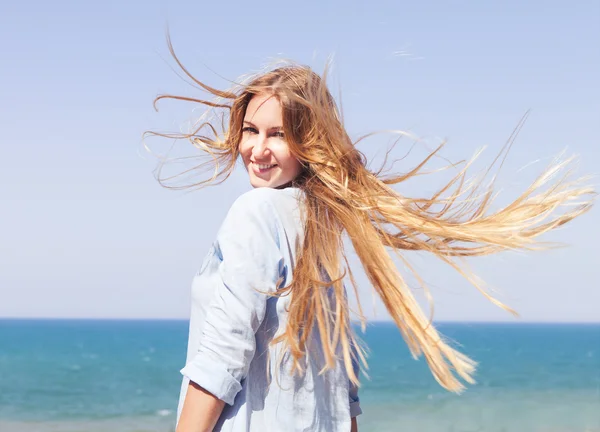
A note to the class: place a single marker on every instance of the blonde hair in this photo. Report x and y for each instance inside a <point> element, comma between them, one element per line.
<point>343,196</point>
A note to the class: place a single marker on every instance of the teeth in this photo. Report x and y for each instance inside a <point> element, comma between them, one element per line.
<point>263,166</point>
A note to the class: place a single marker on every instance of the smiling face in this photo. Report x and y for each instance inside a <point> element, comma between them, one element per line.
<point>263,147</point>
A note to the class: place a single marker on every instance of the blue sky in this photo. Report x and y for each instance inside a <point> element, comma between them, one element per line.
<point>85,230</point>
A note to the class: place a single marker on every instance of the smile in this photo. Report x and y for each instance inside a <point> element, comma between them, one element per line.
<point>263,167</point>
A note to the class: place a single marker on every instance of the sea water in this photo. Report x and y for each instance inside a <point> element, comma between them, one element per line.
<point>123,376</point>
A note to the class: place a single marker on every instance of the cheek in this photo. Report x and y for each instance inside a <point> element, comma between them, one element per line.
<point>292,165</point>
<point>288,161</point>
<point>297,167</point>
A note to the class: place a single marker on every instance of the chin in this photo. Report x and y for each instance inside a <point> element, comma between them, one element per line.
<point>258,183</point>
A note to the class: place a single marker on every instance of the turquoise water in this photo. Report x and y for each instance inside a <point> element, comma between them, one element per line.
<point>65,375</point>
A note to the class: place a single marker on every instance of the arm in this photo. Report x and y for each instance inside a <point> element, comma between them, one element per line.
<point>354,427</point>
<point>201,410</point>
<point>248,244</point>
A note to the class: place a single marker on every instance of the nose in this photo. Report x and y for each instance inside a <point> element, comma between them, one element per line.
<point>260,148</point>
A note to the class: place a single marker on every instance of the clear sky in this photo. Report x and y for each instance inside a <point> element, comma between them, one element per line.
<point>86,231</point>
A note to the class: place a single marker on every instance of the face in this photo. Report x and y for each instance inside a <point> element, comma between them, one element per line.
<point>263,147</point>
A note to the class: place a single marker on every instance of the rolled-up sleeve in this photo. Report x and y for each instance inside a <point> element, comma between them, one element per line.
<point>248,242</point>
<point>355,409</point>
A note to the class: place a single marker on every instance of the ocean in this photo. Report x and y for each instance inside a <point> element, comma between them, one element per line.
<point>123,376</point>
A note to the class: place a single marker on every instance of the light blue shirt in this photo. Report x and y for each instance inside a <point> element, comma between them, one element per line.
<point>232,324</point>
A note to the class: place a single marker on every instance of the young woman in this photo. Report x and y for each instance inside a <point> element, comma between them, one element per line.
<point>271,346</point>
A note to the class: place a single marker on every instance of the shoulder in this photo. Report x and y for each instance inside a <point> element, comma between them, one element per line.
<point>265,201</point>
<point>259,216</point>
<point>266,210</point>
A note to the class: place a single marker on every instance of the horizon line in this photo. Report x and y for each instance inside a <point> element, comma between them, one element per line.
<point>368,321</point>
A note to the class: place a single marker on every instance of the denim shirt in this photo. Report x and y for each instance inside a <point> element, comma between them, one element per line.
<point>233,321</point>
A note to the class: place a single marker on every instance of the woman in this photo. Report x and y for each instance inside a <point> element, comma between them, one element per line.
<point>271,346</point>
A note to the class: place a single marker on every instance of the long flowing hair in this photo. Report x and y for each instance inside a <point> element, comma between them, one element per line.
<point>342,196</point>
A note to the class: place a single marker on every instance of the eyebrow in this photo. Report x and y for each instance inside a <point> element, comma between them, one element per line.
<point>271,129</point>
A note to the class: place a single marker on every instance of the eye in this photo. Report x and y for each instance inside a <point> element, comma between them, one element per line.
<point>249,129</point>
<point>279,134</point>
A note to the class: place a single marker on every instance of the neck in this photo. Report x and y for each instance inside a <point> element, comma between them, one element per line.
<point>286,185</point>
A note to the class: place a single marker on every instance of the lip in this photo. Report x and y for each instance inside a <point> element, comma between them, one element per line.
<point>257,170</point>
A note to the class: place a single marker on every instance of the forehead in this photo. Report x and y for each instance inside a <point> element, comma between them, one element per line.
<point>264,110</point>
